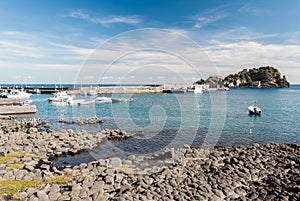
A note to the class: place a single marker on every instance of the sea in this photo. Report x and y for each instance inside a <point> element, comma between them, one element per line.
<point>217,118</point>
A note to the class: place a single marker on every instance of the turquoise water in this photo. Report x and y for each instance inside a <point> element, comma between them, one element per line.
<point>175,119</point>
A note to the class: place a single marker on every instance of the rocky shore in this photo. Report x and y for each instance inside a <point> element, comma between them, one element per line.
<point>259,172</point>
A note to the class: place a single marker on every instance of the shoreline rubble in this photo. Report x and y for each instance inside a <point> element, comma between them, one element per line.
<point>259,172</point>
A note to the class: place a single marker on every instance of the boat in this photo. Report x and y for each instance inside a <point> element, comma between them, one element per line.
<point>18,94</point>
<point>254,109</point>
<point>198,89</point>
<point>175,90</point>
<point>92,92</point>
<point>61,96</point>
<point>86,102</point>
<point>3,93</point>
<point>113,100</point>
<point>224,89</point>
<point>104,99</point>
<point>118,100</point>
<point>34,91</point>
<point>75,102</point>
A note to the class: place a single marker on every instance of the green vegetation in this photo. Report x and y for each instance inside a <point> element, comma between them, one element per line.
<point>59,180</point>
<point>265,77</point>
<point>10,157</point>
<point>15,166</point>
<point>10,188</point>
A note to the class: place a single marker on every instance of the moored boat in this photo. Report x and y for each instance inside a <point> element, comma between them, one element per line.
<point>18,94</point>
<point>254,109</point>
<point>104,99</point>
<point>118,100</point>
<point>61,96</point>
<point>86,102</point>
<point>34,91</point>
<point>113,100</point>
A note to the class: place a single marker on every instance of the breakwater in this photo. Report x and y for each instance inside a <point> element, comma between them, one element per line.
<point>263,172</point>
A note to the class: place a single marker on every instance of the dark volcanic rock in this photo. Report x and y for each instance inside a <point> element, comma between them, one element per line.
<point>260,172</point>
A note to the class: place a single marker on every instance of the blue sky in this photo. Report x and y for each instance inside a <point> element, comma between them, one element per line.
<point>145,41</point>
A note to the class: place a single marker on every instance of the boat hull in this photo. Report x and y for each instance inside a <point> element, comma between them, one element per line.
<point>254,110</point>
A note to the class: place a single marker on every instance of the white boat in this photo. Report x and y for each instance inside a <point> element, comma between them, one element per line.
<point>224,89</point>
<point>75,102</point>
<point>61,96</point>
<point>113,100</point>
<point>18,94</point>
<point>86,102</point>
<point>92,92</point>
<point>104,99</point>
<point>254,109</point>
<point>117,100</point>
<point>198,89</point>
<point>35,91</point>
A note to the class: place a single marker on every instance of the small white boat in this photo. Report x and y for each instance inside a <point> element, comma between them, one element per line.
<point>118,100</point>
<point>254,109</point>
<point>92,92</point>
<point>61,96</point>
<point>86,102</point>
<point>18,94</point>
<point>34,91</point>
<point>75,102</point>
<point>198,89</point>
<point>113,100</point>
<point>104,99</point>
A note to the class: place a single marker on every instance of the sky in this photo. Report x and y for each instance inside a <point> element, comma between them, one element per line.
<point>149,41</point>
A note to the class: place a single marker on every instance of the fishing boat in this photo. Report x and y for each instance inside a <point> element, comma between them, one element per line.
<point>61,96</point>
<point>254,109</point>
<point>18,94</point>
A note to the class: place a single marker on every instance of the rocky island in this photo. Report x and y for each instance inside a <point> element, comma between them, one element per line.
<point>262,77</point>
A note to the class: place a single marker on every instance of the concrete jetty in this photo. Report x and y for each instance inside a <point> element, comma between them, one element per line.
<point>11,101</point>
<point>17,109</point>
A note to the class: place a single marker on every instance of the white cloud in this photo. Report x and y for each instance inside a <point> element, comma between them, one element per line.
<point>208,16</point>
<point>232,57</point>
<point>242,33</point>
<point>38,48</point>
<point>129,19</point>
<point>149,53</point>
<point>247,8</point>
